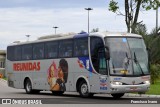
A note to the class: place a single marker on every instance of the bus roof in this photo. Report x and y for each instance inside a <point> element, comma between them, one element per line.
<point>79,35</point>
<point>115,34</point>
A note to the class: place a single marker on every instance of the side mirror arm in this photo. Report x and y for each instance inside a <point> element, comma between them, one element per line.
<point>107,53</point>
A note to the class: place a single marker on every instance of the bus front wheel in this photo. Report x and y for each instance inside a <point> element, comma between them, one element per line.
<point>118,95</point>
<point>83,90</point>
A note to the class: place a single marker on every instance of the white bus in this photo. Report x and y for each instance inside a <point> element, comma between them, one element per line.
<point>112,63</point>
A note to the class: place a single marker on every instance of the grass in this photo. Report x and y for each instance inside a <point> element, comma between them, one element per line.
<point>4,78</point>
<point>154,88</point>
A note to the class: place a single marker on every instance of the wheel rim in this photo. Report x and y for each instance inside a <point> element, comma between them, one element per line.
<point>84,89</point>
<point>28,87</point>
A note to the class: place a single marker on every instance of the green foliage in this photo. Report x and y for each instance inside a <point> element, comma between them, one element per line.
<point>5,78</point>
<point>150,4</point>
<point>154,46</point>
<point>132,8</point>
<point>155,50</point>
<point>154,88</point>
<point>113,6</point>
<point>155,72</point>
<point>141,29</point>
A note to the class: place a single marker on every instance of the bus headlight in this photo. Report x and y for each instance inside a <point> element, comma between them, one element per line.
<point>116,83</point>
<point>146,82</point>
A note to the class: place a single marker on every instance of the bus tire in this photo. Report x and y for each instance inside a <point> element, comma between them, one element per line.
<point>28,87</point>
<point>117,96</point>
<point>83,90</point>
<point>57,92</point>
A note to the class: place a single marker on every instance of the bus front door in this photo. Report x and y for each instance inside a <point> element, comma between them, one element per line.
<point>100,81</point>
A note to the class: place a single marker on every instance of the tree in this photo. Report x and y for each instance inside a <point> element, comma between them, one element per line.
<point>132,8</point>
<point>141,29</point>
<point>155,73</point>
<point>95,30</point>
<point>154,45</point>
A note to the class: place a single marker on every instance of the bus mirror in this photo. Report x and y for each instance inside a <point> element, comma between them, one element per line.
<point>107,53</point>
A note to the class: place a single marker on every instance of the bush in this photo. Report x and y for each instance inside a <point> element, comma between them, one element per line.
<point>155,72</point>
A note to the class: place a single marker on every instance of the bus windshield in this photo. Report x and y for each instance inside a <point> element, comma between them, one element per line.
<point>128,56</point>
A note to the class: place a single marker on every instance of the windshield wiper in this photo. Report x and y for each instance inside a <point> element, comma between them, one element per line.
<point>114,71</point>
<point>137,63</point>
<point>126,62</point>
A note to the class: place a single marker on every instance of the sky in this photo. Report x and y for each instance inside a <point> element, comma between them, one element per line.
<point>37,17</point>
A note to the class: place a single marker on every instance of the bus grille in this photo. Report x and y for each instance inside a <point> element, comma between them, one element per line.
<point>132,84</point>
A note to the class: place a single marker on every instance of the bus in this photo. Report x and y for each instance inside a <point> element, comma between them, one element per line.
<point>97,63</point>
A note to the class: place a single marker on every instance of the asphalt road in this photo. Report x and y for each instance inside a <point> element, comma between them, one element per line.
<point>46,97</point>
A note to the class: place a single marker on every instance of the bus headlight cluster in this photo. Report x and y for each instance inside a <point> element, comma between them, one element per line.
<point>146,82</point>
<point>116,83</point>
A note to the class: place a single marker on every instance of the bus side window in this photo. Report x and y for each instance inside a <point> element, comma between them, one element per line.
<point>81,47</point>
<point>98,55</point>
<point>14,53</point>
<point>17,53</point>
<point>51,49</point>
<point>26,52</point>
<point>65,48</point>
<point>38,51</point>
<point>10,52</point>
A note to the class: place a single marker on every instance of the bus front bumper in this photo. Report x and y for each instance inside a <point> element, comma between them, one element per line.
<point>129,88</point>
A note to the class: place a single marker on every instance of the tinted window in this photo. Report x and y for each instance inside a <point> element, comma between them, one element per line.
<point>81,47</point>
<point>65,48</point>
<point>96,43</point>
<point>102,61</point>
<point>38,51</point>
<point>51,50</point>
<point>26,52</point>
<point>14,53</point>
<point>98,55</point>
<point>10,51</point>
<point>17,53</point>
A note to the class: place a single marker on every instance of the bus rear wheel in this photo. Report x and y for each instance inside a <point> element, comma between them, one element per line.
<point>83,90</point>
<point>118,95</point>
<point>28,86</point>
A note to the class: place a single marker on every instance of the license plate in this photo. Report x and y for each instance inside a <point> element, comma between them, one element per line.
<point>133,88</point>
